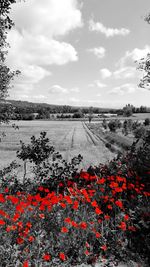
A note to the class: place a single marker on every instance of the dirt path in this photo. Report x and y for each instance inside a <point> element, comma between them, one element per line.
<point>80,140</point>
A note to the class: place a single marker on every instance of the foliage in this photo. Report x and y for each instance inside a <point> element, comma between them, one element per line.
<point>49,167</point>
<point>6,75</point>
<point>147,122</point>
<point>139,132</point>
<point>81,225</point>
<point>113,125</point>
<point>128,110</point>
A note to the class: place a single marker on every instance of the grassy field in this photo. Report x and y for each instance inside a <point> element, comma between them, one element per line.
<point>68,137</point>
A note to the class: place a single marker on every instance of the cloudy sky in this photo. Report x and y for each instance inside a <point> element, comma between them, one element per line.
<point>79,52</point>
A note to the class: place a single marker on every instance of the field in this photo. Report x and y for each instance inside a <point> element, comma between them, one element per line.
<point>68,137</point>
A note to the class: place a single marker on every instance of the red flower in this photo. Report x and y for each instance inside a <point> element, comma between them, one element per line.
<point>63,205</point>
<point>87,252</point>
<point>67,220</point>
<point>94,204</point>
<point>2,199</point>
<point>104,247</point>
<point>46,257</point>
<point>25,264</point>
<point>84,175</point>
<point>42,216</point>
<point>123,226</point>
<point>74,224</point>
<point>109,207</point>
<point>28,224</point>
<point>31,238</point>
<point>64,230</point>
<point>62,256</point>
<point>98,211</point>
<point>107,217</point>
<point>2,222</point>
<point>126,217</point>
<point>75,205</point>
<point>119,203</point>
<point>20,240</point>
<point>83,225</point>
<point>97,234</point>
<point>101,181</point>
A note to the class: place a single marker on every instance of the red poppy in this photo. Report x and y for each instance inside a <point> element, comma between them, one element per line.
<point>87,252</point>
<point>67,220</point>
<point>75,205</point>
<point>98,211</point>
<point>31,238</point>
<point>123,226</point>
<point>83,225</point>
<point>20,240</point>
<point>98,235</point>
<point>25,264</point>
<point>94,204</point>
<point>63,205</point>
<point>126,217</point>
<point>2,199</point>
<point>109,207</point>
<point>119,203</point>
<point>74,224</point>
<point>28,224</point>
<point>101,181</point>
<point>62,256</point>
<point>107,217</point>
<point>46,257</point>
<point>104,247</point>
<point>2,222</point>
<point>64,230</point>
<point>42,216</point>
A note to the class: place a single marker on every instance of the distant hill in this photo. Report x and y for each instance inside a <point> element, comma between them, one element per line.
<point>57,108</point>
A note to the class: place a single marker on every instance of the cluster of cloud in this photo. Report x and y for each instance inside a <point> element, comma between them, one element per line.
<point>57,89</point>
<point>108,32</point>
<point>126,71</point>
<point>98,51</point>
<point>123,89</point>
<point>34,41</point>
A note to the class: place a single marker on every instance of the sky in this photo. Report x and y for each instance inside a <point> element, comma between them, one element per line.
<point>79,52</point>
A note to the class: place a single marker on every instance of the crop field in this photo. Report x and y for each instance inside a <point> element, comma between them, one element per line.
<point>70,138</point>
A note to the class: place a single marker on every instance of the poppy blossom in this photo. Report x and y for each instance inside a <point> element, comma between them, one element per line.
<point>46,257</point>
<point>104,247</point>
<point>87,252</point>
<point>83,225</point>
<point>119,203</point>
<point>25,264</point>
<point>2,222</point>
<point>123,226</point>
<point>97,234</point>
<point>62,256</point>
<point>64,230</point>
<point>98,211</point>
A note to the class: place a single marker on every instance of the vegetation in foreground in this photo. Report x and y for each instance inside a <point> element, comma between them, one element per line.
<point>64,218</point>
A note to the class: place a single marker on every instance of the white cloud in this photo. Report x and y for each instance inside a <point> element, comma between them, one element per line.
<point>33,40</point>
<point>98,51</point>
<point>75,90</point>
<point>123,89</point>
<point>108,32</point>
<point>131,56</point>
<point>53,18</point>
<point>57,89</point>
<point>125,73</point>
<point>105,73</point>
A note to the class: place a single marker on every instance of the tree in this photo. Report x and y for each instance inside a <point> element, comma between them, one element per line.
<point>147,122</point>
<point>6,75</point>
<point>127,110</point>
<point>144,66</point>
